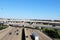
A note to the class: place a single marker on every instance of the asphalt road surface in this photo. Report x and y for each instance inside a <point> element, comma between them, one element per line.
<point>28,34</point>
<point>42,36</point>
<point>13,34</point>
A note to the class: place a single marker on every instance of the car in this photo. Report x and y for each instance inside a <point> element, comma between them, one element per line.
<point>17,33</point>
<point>10,33</point>
<point>17,30</point>
<point>26,36</point>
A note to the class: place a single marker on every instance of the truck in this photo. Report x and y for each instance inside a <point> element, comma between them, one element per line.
<point>35,36</point>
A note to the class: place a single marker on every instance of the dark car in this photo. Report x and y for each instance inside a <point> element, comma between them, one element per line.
<point>26,36</point>
<point>10,33</point>
<point>17,30</point>
<point>17,33</point>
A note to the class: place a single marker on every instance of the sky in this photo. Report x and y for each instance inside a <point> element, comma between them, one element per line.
<point>30,9</point>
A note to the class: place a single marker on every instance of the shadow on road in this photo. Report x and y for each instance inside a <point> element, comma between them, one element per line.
<point>32,37</point>
<point>23,34</point>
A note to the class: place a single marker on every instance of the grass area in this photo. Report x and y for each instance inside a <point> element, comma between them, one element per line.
<point>3,27</point>
<point>45,29</point>
<point>53,33</point>
<point>56,39</point>
<point>58,32</point>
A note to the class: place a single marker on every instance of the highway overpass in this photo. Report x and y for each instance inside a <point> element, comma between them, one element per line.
<point>31,23</point>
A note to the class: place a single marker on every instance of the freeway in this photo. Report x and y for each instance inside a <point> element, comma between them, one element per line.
<point>12,34</point>
<point>15,33</point>
<point>46,26</point>
<point>19,35</point>
<point>28,34</point>
<point>4,32</point>
<point>1,31</point>
<point>41,35</point>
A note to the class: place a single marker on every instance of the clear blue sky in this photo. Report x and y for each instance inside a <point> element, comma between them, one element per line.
<point>30,9</point>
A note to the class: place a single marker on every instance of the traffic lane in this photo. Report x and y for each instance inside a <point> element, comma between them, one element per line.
<point>1,31</point>
<point>27,34</point>
<point>18,34</point>
<point>32,30</point>
<point>42,36</point>
<point>9,36</point>
<point>5,32</point>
